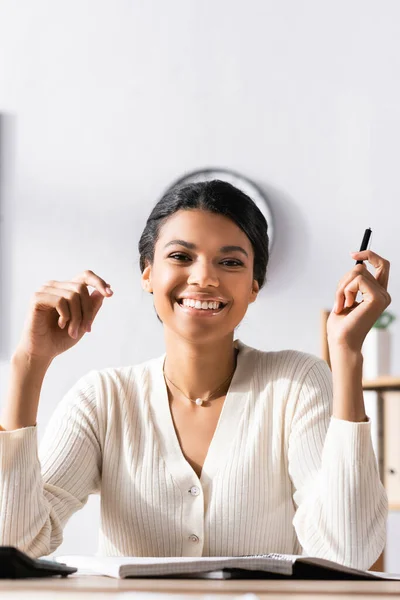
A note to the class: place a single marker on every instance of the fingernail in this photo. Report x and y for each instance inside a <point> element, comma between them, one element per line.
<point>109,291</point>
<point>89,327</point>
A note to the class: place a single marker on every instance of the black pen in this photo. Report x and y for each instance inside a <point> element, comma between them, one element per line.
<point>364,243</point>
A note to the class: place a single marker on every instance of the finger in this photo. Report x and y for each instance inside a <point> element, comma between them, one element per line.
<point>96,299</point>
<point>381,265</point>
<point>350,293</point>
<point>351,290</point>
<point>72,298</point>
<point>58,287</point>
<point>90,278</point>
<point>86,306</point>
<point>73,301</point>
<point>340,297</point>
<point>75,307</point>
<point>63,311</point>
<point>372,293</point>
<point>44,301</point>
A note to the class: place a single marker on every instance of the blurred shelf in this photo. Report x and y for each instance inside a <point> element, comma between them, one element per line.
<point>384,383</point>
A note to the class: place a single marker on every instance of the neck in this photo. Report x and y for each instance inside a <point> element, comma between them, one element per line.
<point>198,369</point>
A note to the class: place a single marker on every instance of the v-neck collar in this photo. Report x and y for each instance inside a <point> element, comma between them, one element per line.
<point>233,407</point>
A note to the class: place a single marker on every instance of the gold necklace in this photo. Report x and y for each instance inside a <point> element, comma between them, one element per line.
<point>200,401</point>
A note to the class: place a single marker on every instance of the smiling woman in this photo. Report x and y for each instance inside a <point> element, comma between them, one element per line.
<point>214,448</point>
<point>202,287</point>
<point>223,257</point>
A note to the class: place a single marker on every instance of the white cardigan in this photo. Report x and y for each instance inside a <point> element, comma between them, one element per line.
<point>281,474</point>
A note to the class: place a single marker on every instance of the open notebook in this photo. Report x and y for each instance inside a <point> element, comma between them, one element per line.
<point>266,565</point>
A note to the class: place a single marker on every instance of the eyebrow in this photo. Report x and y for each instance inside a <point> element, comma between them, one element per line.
<point>191,246</point>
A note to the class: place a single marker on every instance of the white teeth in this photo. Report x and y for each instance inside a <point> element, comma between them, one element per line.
<point>201,305</point>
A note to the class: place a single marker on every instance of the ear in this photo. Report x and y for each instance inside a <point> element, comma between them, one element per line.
<point>146,280</point>
<point>255,288</point>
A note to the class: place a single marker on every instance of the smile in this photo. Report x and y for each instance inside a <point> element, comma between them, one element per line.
<point>201,309</point>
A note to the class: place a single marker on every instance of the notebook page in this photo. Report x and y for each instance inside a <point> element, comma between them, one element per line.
<point>121,567</point>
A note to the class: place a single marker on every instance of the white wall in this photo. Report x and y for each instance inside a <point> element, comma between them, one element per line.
<point>111,101</point>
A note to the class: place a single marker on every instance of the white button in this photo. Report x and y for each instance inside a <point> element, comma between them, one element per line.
<point>194,490</point>
<point>193,538</point>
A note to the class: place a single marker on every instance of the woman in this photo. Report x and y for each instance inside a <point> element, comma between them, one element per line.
<point>214,448</point>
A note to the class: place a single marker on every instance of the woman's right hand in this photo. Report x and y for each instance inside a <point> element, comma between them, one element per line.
<point>61,313</point>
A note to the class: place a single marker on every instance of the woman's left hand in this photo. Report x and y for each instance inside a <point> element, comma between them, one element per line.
<point>350,321</point>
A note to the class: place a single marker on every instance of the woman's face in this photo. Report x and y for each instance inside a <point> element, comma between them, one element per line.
<point>201,257</point>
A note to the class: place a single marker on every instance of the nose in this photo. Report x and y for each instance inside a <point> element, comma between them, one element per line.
<point>203,274</point>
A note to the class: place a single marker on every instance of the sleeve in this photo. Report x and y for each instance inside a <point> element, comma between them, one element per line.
<point>341,503</point>
<point>39,491</point>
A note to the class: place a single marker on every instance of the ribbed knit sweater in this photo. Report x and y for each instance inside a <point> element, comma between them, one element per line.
<point>281,474</point>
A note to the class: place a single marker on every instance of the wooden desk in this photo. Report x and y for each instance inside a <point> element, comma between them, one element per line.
<point>87,587</point>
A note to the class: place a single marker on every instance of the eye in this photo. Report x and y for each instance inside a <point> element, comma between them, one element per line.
<point>179,256</point>
<point>232,262</point>
<point>229,262</point>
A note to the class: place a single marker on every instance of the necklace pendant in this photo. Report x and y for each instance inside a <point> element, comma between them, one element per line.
<point>198,401</point>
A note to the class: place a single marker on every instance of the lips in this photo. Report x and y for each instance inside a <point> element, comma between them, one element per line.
<point>201,312</point>
<point>197,297</point>
<point>191,302</point>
